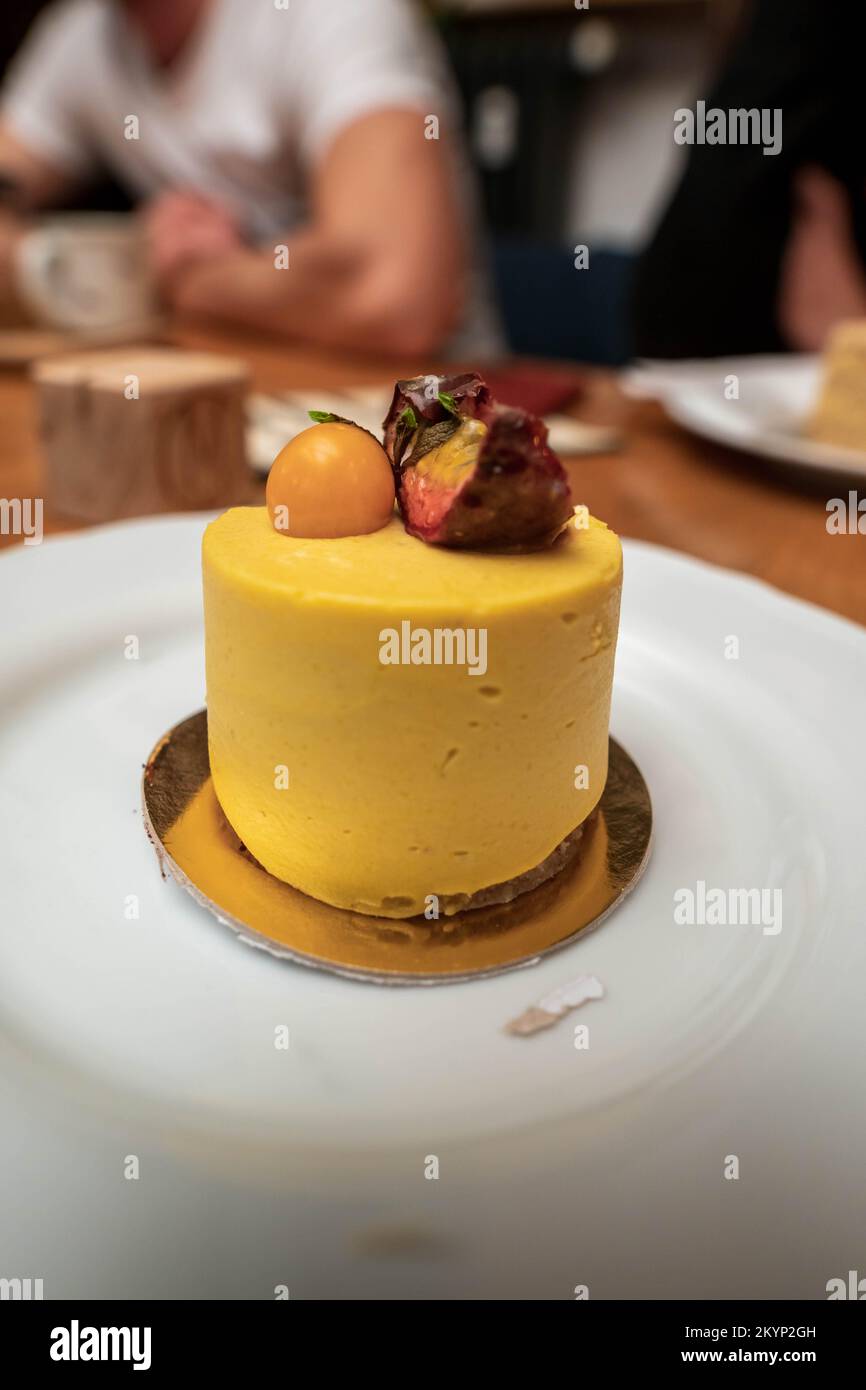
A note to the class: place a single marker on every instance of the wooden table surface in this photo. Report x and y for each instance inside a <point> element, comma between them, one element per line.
<point>662,485</point>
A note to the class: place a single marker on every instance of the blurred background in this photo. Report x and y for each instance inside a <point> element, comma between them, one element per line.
<point>285,205</point>
<point>567,115</point>
<point>568,120</point>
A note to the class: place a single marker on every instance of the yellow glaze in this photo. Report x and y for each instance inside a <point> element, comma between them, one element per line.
<point>374,785</point>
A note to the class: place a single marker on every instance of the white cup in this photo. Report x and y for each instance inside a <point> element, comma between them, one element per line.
<point>86,273</point>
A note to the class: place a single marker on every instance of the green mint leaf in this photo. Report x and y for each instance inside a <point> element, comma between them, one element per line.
<point>431,436</point>
<point>327,417</point>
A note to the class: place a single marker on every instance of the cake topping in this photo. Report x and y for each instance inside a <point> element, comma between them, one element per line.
<point>470,472</point>
<point>428,400</point>
<point>333,479</point>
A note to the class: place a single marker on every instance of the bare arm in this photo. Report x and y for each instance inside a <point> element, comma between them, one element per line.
<point>38,183</point>
<point>28,183</point>
<point>380,265</point>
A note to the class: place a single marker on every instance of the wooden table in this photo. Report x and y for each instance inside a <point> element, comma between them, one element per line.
<point>662,486</point>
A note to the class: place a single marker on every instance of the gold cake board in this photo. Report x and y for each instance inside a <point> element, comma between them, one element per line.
<point>200,850</point>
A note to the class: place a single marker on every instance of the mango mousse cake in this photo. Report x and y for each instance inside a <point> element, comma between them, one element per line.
<point>408,708</point>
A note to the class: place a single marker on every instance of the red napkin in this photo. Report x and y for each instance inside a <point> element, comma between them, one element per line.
<point>541,389</point>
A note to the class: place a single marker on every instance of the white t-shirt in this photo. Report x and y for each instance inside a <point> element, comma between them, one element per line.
<point>250,104</point>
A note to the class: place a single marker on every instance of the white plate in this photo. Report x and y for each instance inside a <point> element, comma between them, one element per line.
<point>776,396</point>
<point>273,420</point>
<point>155,1037</point>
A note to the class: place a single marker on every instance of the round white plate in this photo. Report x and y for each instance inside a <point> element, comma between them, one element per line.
<point>768,418</point>
<point>130,1019</point>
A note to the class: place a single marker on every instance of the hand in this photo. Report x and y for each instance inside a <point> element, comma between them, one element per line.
<point>822,279</point>
<point>182,230</point>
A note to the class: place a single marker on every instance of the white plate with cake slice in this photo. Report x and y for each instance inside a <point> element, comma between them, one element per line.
<point>770,415</point>
<point>134,1027</point>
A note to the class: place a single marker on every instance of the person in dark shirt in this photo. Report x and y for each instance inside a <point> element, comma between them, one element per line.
<point>760,252</point>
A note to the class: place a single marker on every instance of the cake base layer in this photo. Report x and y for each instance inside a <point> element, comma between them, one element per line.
<point>498,893</point>
<point>448,905</point>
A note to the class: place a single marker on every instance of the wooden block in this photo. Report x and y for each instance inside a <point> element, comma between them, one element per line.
<point>131,432</point>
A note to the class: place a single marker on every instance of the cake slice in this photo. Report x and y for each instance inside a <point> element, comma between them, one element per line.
<point>840,415</point>
<point>397,726</point>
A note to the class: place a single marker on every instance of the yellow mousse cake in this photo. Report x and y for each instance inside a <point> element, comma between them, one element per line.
<point>391,721</point>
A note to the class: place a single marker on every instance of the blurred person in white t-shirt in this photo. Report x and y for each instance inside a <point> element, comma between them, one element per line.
<point>327,127</point>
